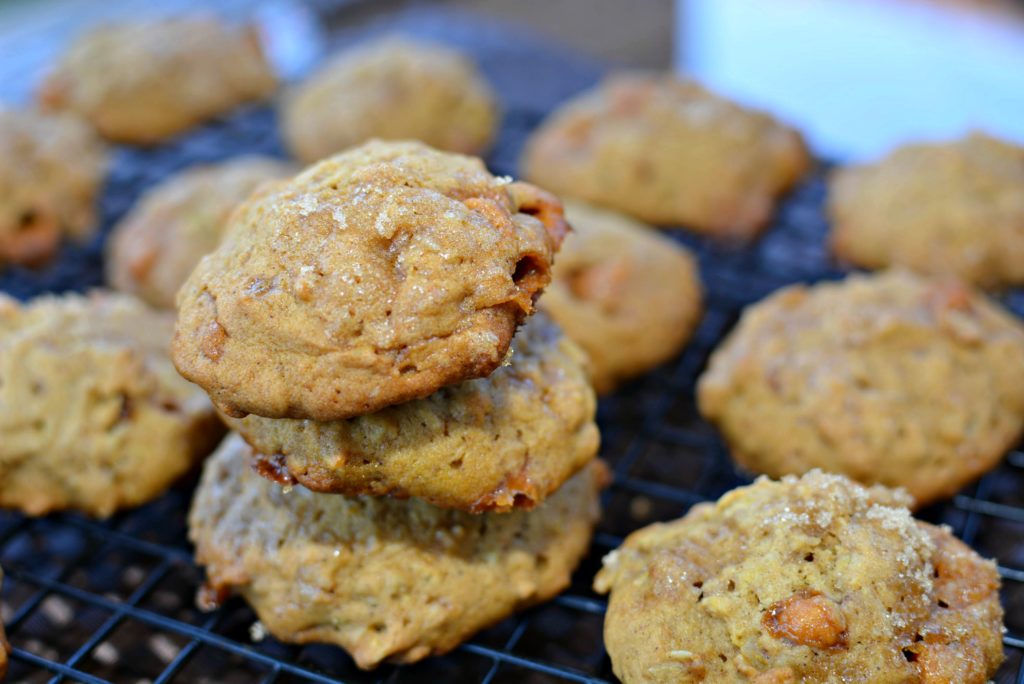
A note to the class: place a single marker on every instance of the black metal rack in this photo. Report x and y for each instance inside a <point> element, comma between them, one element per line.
<point>105,601</point>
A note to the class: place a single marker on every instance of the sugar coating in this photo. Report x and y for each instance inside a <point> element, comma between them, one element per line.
<point>383,578</point>
<point>298,315</point>
<point>668,151</point>
<point>890,378</point>
<point>806,579</point>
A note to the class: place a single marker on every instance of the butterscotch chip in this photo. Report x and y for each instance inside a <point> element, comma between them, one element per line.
<point>93,416</point>
<point>629,296</point>
<point>890,378</point>
<point>375,277</point>
<point>51,168</point>
<point>668,152</point>
<point>499,443</point>
<point>154,248</point>
<point>394,89</point>
<point>142,82</point>
<point>810,579</point>
<point>954,209</point>
<point>384,579</point>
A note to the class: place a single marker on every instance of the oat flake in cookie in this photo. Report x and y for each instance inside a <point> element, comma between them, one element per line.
<point>811,579</point>
<point>93,416</point>
<point>890,378</point>
<point>384,579</point>
<point>374,277</point>
<point>498,443</point>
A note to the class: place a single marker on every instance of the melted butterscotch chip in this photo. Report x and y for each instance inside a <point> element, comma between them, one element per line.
<point>807,619</point>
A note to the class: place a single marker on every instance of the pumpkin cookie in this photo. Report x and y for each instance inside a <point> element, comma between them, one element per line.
<point>375,277</point>
<point>153,249</point>
<point>395,89</point>
<point>496,443</point>
<point>890,378</point>
<point>948,209</point>
<point>629,296</point>
<point>668,152</point>
<point>51,168</point>
<point>146,81</point>
<point>93,416</point>
<point>815,579</point>
<point>383,578</point>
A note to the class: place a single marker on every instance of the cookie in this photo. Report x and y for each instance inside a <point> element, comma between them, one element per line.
<point>382,578</point>
<point>889,378</point>
<point>953,209</point>
<point>145,81</point>
<point>93,416</point>
<point>374,277</point>
<point>629,296</point>
<point>815,579</point>
<point>154,248</point>
<point>51,168</point>
<point>394,89</point>
<point>668,152</point>
<point>498,443</point>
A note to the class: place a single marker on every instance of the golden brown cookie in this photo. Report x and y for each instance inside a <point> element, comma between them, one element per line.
<point>668,152</point>
<point>815,579</point>
<point>384,579</point>
<point>889,378</point>
<point>51,168</point>
<point>93,416</point>
<point>154,248</point>
<point>498,443</point>
<point>948,209</point>
<point>629,296</point>
<point>143,82</point>
<point>394,89</point>
<point>375,277</point>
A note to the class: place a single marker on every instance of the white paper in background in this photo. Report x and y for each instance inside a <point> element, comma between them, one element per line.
<point>861,76</point>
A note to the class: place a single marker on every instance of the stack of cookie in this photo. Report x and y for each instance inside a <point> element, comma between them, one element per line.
<point>356,328</point>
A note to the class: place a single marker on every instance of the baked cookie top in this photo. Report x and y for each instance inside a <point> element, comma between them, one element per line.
<point>384,579</point>
<point>498,443</point>
<point>51,168</point>
<point>154,248</point>
<point>374,277</point>
<point>815,579</point>
<point>668,151</point>
<point>394,89</point>
<point>141,82</point>
<point>626,294</point>
<point>93,415</point>
<point>953,208</point>
<point>889,378</point>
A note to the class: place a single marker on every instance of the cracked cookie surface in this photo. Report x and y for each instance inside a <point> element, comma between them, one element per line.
<point>498,443</point>
<point>93,416</point>
<point>384,579</point>
<point>374,277</point>
<point>890,378</point>
<point>811,579</point>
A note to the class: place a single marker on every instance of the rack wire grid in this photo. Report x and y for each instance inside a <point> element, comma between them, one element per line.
<point>96,601</point>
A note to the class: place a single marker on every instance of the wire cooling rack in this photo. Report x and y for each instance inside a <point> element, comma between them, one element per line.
<point>91,601</point>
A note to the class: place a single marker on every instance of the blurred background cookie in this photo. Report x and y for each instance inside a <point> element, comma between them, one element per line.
<point>51,169</point>
<point>890,378</point>
<point>953,208</point>
<point>499,443</point>
<point>393,89</point>
<point>384,579</point>
<point>375,277</point>
<point>804,580</point>
<point>144,81</point>
<point>93,416</point>
<point>669,152</point>
<point>629,296</point>
<point>153,249</point>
